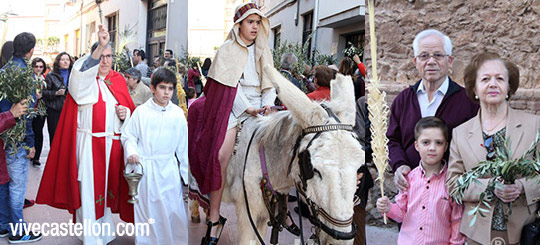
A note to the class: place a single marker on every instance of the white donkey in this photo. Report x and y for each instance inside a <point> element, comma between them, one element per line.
<point>333,153</point>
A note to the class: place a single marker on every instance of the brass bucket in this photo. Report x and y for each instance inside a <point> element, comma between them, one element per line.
<point>133,180</point>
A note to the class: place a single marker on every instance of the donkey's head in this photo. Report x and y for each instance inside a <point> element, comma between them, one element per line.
<point>328,156</point>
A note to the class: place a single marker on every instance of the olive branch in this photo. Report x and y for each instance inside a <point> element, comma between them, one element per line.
<point>16,84</point>
<point>501,170</point>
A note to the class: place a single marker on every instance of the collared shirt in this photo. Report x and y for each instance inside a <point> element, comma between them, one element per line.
<point>428,108</point>
<point>428,213</point>
<point>143,68</point>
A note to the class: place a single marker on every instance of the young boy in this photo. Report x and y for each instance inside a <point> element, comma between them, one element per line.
<point>153,135</point>
<point>191,95</point>
<point>427,213</point>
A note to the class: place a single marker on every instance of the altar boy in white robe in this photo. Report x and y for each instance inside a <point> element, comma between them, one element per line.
<point>156,137</point>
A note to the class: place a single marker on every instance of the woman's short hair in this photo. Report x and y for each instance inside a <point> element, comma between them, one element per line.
<point>324,75</point>
<point>477,61</point>
<point>36,60</point>
<point>134,73</point>
<point>56,65</point>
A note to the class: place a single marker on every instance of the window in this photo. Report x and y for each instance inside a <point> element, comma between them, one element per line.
<point>356,39</point>
<point>90,30</point>
<point>306,31</point>
<point>277,36</point>
<point>66,41</point>
<point>157,21</point>
<point>156,28</point>
<point>112,25</point>
<point>77,42</point>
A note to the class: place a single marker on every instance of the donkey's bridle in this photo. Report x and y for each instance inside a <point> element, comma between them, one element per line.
<point>307,172</point>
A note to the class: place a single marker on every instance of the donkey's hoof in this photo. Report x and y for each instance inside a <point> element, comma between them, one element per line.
<point>196,219</point>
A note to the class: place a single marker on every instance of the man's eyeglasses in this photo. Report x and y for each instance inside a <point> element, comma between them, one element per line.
<point>38,66</point>
<point>109,56</point>
<point>427,56</point>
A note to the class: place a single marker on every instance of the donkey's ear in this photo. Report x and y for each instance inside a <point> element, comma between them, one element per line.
<point>306,112</point>
<point>342,94</point>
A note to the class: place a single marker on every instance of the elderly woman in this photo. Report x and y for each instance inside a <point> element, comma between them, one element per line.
<point>140,93</point>
<point>491,81</point>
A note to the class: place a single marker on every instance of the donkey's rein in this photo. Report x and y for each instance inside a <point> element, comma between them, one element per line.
<point>244,188</point>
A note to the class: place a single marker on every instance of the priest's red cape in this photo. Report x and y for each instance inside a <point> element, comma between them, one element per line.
<point>59,186</point>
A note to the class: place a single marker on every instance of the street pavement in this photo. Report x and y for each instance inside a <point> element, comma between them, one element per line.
<point>47,214</point>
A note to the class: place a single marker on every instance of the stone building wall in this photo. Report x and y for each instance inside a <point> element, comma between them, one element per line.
<point>510,28</point>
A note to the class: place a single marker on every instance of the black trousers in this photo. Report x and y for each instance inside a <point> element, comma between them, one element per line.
<point>52,121</point>
<point>37,126</point>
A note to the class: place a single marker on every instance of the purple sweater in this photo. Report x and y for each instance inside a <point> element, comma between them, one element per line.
<point>455,109</point>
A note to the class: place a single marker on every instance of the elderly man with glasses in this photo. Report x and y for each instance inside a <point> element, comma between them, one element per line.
<point>434,95</point>
<point>83,173</point>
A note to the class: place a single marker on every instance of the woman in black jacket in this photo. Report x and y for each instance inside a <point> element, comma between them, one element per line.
<point>55,93</point>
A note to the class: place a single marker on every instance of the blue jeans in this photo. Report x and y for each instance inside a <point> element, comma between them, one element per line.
<point>17,166</point>
<point>4,207</point>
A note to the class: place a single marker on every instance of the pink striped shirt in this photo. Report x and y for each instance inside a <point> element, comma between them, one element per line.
<point>428,214</point>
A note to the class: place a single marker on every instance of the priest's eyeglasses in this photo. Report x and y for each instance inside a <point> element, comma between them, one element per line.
<point>427,56</point>
<point>109,56</point>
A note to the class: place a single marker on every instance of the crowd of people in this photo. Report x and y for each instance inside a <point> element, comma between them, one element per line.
<point>438,132</point>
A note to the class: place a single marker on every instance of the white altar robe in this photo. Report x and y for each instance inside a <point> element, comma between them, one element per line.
<point>155,134</point>
<point>85,91</point>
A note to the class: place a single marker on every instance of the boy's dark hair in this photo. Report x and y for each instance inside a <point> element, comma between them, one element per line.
<point>430,122</point>
<point>170,51</point>
<point>141,53</point>
<point>23,43</point>
<point>190,92</point>
<point>163,75</point>
<point>324,75</point>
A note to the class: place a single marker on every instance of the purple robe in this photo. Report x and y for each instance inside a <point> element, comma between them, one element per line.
<point>206,138</point>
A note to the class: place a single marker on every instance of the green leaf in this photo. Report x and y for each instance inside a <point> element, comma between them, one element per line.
<point>473,220</point>
<point>472,211</point>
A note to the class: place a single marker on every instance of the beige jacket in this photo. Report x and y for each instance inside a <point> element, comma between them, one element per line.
<point>467,149</point>
<point>140,94</point>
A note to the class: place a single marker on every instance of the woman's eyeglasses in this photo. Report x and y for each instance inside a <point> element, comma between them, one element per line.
<point>38,66</point>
